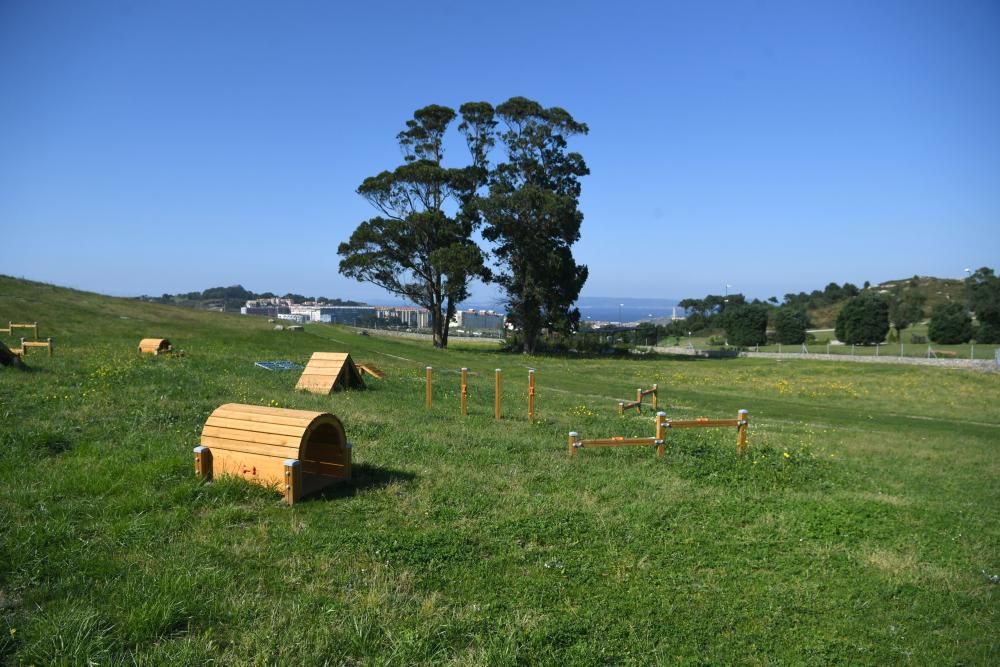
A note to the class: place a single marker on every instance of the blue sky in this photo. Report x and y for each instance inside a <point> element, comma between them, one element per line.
<point>150,147</point>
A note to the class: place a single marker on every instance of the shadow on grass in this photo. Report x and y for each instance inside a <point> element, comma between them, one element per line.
<point>364,477</point>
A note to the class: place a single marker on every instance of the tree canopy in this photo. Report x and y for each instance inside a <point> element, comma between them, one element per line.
<point>531,215</point>
<point>790,325</point>
<point>864,320</point>
<point>950,324</point>
<point>415,248</point>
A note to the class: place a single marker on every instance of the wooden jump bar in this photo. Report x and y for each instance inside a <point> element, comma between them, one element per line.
<point>741,423</point>
<point>640,393</point>
<point>25,344</point>
<point>14,325</point>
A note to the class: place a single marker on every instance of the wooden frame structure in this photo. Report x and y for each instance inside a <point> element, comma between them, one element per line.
<point>640,393</point>
<point>25,344</point>
<point>155,346</point>
<point>296,451</point>
<point>741,423</point>
<point>14,325</point>
<point>329,371</point>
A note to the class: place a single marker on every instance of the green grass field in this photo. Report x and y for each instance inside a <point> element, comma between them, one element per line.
<point>861,527</point>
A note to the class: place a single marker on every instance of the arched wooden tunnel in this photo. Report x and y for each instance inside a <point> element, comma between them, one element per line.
<point>297,451</point>
<point>154,346</point>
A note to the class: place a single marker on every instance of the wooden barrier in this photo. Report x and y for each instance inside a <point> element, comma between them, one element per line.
<point>14,325</point>
<point>741,423</point>
<point>297,451</point>
<point>640,393</point>
<point>25,344</point>
<point>155,346</point>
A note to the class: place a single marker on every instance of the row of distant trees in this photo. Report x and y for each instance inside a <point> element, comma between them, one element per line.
<point>510,220</point>
<point>239,294</point>
<point>867,317</point>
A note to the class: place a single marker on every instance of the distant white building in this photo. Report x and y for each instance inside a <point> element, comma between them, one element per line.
<point>477,319</point>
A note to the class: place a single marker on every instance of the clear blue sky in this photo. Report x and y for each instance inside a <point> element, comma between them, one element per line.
<point>150,147</point>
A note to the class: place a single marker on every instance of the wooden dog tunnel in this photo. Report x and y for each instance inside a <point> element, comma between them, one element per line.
<point>154,346</point>
<point>741,423</point>
<point>328,371</point>
<point>297,451</point>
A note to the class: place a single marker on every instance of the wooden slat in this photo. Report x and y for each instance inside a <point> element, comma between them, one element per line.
<point>614,442</point>
<point>264,410</point>
<point>255,426</point>
<point>324,468</point>
<point>312,370</point>
<point>700,423</point>
<point>326,363</point>
<point>252,436</point>
<point>338,356</point>
<point>275,451</point>
<point>264,418</point>
<point>262,469</point>
<point>31,343</point>
<point>374,371</point>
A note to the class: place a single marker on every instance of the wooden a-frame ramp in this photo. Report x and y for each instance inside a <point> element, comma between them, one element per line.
<point>329,371</point>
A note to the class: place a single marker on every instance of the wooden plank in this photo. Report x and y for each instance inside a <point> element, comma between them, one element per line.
<point>372,370</point>
<point>325,468</point>
<point>274,451</point>
<point>312,370</point>
<point>32,343</point>
<point>338,356</point>
<point>264,418</point>
<point>266,470</point>
<point>701,423</point>
<point>615,442</point>
<point>265,410</point>
<point>255,426</point>
<point>252,436</point>
<point>326,363</point>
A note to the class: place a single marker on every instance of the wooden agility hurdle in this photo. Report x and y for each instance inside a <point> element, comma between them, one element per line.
<point>14,325</point>
<point>741,423</point>
<point>640,393</point>
<point>25,344</point>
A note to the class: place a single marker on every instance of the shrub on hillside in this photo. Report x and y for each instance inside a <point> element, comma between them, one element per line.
<point>746,325</point>
<point>864,320</point>
<point>790,326</point>
<point>950,324</point>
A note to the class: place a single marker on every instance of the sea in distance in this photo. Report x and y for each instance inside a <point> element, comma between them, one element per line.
<point>610,309</point>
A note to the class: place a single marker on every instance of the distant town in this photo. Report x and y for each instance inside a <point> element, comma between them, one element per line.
<point>369,316</point>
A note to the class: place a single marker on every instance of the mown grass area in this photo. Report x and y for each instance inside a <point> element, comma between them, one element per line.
<point>860,528</point>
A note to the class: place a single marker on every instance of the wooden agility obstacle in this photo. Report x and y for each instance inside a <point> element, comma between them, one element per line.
<point>640,393</point>
<point>155,346</point>
<point>14,325</point>
<point>371,369</point>
<point>741,423</point>
<point>531,395</point>
<point>296,451</point>
<point>329,371</point>
<point>463,401</point>
<point>25,344</point>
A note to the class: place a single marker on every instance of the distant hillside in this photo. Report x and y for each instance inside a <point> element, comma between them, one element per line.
<point>233,297</point>
<point>934,290</point>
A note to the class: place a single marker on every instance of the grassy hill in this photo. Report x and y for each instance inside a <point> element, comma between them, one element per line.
<point>934,290</point>
<point>859,529</point>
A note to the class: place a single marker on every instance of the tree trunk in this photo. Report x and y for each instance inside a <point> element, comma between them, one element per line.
<point>440,339</point>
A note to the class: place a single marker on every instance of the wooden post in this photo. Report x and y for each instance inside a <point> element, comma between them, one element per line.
<point>203,463</point>
<point>35,326</point>
<point>430,392</point>
<point>49,340</point>
<point>293,480</point>
<point>531,395</point>
<point>638,400</point>
<point>621,408</point>
<point>741,431</point>
<point>24,349</point>
<point>499,387</point>
<point>661,432</point>
<point>465,391</point>
<point>655,398</point>
<point>572,442</point>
